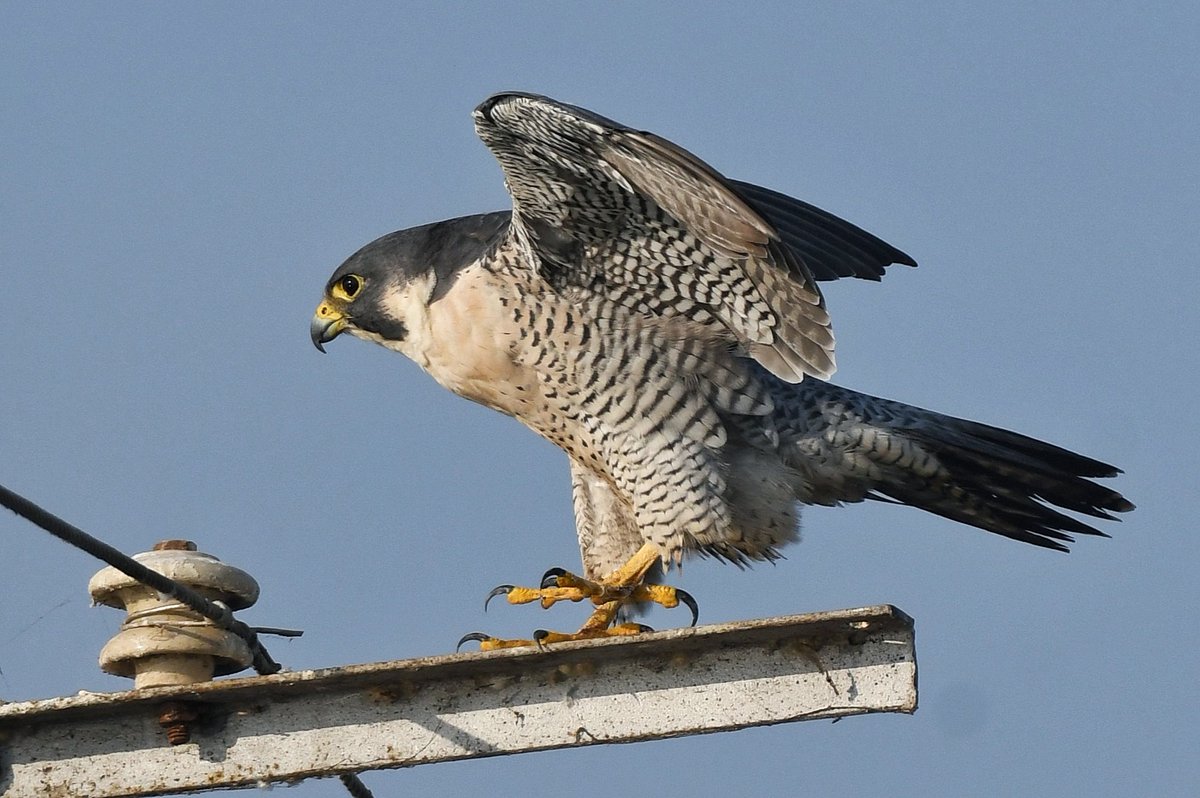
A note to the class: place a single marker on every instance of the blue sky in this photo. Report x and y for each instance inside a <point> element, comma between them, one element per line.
<point>177,182</point>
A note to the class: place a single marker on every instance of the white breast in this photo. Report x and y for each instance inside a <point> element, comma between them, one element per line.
<point>464,340</point>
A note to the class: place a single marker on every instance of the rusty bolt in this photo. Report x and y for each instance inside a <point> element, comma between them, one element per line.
<point>176,717</point>
<point>174,545</point>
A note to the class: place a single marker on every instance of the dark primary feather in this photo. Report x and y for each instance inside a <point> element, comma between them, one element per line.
<point>831,247</point>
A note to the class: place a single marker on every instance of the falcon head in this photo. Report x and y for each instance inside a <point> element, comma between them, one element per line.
<point>378,292</point>
<point>362,295</point>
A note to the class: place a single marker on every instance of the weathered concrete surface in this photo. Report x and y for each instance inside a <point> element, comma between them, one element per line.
<point>396,714</point>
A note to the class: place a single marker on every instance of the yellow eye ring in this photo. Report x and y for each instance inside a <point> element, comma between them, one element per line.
<point>347,287</point>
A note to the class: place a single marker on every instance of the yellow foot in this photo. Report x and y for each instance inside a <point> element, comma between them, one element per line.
<point>542,637</point>
<point>559,585</point>
<point>619,588</point>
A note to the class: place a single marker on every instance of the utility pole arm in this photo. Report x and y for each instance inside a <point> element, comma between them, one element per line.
<point>329,722</point>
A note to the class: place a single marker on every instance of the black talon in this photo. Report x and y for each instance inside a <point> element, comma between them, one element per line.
<point>502,590</point>
<point>686,599</point>
<point>476,636</point>
<point>643,628</point>
<point>539,635</point>
<point>550,578</point>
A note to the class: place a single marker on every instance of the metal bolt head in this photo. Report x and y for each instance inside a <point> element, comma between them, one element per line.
<point>174,545</point>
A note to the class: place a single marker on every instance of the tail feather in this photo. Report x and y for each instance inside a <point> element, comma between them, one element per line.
<point>984,476</point>
<point>1025,467</point>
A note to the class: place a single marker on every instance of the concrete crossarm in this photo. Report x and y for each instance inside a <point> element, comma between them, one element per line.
<point>327,722</point>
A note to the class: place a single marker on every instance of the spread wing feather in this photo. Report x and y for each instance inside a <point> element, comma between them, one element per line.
<point>628,214</point>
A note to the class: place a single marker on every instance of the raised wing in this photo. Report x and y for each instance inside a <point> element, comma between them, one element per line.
<point>647,224</point>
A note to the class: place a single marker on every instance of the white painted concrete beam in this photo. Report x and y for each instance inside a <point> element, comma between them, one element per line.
<point>396,714</point>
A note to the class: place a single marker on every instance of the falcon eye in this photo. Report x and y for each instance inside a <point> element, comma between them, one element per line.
<point>350,285</point>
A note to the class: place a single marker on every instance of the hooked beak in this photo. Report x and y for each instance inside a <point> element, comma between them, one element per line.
<point>327,323</point>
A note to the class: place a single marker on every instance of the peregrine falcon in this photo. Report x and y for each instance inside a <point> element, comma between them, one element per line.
<point>663,325</point>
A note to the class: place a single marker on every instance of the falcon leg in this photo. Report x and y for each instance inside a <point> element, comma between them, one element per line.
<point>609,594</point>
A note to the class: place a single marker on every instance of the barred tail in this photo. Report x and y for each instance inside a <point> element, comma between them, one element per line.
<point>1000,481</point>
